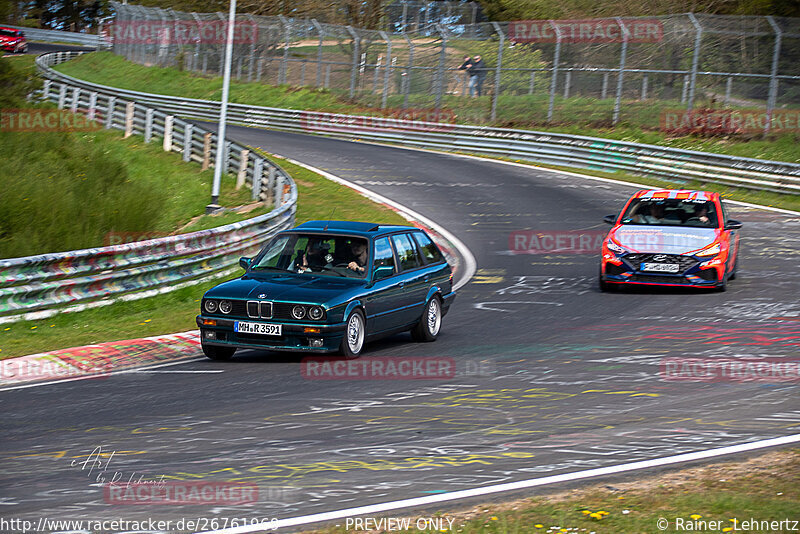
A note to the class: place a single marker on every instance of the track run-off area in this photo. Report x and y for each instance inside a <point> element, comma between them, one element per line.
<point>553,376</point>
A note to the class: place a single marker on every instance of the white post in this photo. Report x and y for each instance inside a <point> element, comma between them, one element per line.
<point>223,113</point>
<point>168,123</point>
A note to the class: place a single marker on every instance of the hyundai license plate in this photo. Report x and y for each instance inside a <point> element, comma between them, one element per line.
<point>661,267</point>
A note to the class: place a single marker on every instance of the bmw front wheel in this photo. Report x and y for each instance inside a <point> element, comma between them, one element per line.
<point>354,334</point>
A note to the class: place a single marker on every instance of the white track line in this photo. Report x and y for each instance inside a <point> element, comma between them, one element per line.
<point>470,265</point>
<point>497,488</point>
<point>95,377</point>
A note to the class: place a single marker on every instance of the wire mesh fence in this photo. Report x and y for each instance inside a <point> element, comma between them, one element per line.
<point>634,71</point>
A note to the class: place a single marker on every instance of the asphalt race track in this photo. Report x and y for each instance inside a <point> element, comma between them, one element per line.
<point>553,375</point>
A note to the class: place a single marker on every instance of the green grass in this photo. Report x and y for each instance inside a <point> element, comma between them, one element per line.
<point>175,311</point>
<point>576,115</point>
<point>83,187</point>
<point>715,493</point>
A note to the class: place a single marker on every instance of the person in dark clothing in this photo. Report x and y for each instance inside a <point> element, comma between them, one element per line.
<point>476,69</point>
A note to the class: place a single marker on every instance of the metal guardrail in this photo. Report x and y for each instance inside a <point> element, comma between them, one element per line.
<point>540,147</point>
<point>39,286</point>
<point>56,36</point>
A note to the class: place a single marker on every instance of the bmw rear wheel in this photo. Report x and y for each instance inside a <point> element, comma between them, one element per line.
<point>354,334</point>
<point>430,323</point>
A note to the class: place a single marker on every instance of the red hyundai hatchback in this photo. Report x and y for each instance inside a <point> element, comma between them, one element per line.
<point>670,237</point>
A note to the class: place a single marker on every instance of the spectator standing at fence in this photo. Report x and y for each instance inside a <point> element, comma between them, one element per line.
<point>476,70</point>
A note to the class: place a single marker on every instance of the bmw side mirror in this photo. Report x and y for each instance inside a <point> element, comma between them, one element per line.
<point>732,225</point>
<point>610,219</point>
<point>382,272</point>
<point>244,263</point>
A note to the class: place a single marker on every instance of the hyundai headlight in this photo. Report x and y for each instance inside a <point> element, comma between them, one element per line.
<point>614,247</point>
<point>712,250</point>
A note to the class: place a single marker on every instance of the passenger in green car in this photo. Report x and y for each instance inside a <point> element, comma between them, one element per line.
<point>313,258</point>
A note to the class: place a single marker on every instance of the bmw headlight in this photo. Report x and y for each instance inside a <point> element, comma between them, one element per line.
<point>225,306</point>
<point>298,312</point>
<point>315,313</point>
<point>712,250</point>
<point>211,306</point>
<point>614,247</point>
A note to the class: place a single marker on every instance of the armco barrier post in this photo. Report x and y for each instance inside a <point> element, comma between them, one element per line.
<point>258,176</point>
<point>623,55</point>
<point>129,109</point>
<point>110,110</point>
<point>92,105</point>
<point>206,151</point>
<point>187,141</point>
<point>76,97</point>
<point>169,121</point>
<point>244,157</point>
<point>62,96</point>
<point>148,125</point>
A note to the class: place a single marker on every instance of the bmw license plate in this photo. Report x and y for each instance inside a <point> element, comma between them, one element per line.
<point>661,267</point>
<point>257,328</point>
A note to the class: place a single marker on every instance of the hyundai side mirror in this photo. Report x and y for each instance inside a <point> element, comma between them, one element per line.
<point>732,225</point>
<point>244,263</point>
<point>610,219</point>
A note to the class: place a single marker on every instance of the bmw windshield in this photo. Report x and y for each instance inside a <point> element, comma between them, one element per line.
<point>314,254</point>
<point>670,212</point>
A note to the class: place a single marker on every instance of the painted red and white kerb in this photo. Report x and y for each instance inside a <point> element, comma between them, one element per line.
<point>729,121</point>
<point>586,31</point>
<point>49,120</point>
<point>171,493</point>
<point>556,241</point>
<point>769,370</point>
<point>386,368</point>
<point>181,32</point>
<point>28,369</point>
<point>414,120</point>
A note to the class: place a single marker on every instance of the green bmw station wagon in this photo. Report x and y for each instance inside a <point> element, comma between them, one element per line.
<point>328,286</point>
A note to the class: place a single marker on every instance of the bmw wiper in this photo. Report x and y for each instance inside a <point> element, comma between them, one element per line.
<point>265,267</point>
<point>331,269</point>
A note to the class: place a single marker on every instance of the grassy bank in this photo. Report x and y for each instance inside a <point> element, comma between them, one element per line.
<point>765,488</point>
<point>175,311</point>
<point>578,115</point>
<point>67,191</point>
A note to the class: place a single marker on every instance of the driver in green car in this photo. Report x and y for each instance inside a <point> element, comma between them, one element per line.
<point>358,249</point>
